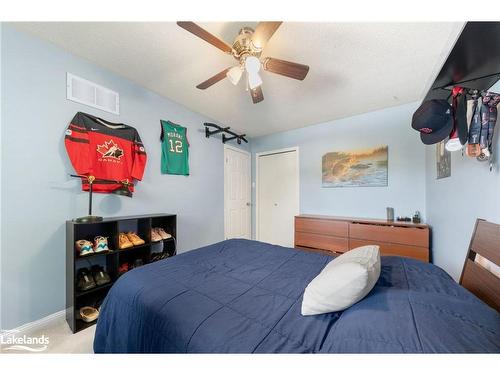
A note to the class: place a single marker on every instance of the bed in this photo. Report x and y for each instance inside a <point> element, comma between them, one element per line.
<point>241,296</point>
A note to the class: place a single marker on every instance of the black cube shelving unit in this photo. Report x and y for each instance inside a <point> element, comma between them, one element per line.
<point>111,261</point>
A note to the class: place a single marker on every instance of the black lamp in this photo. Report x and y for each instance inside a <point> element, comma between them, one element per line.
<point>89,218</point>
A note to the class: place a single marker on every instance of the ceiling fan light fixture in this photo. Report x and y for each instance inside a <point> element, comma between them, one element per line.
<point>252,64</point>
<point>257,45</point>
<point>254,80</point>
<point>234,74</point>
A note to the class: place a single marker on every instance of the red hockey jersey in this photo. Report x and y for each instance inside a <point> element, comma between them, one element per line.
<point>107,151</point>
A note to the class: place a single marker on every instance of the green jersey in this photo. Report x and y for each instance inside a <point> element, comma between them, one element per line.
<point>174,149</point>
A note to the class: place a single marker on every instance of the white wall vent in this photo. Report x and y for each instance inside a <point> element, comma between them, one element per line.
<point>89,93</point>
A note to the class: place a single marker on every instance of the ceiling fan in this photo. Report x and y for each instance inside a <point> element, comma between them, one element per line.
<point>247,49</point>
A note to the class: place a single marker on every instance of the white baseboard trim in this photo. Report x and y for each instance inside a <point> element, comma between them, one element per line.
<point>39,324</point>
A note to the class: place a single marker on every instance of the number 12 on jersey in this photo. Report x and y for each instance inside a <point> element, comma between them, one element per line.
<point>178,146</point>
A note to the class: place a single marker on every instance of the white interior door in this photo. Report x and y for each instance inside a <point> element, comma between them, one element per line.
<point>237,212</point>
<point>277,196</point>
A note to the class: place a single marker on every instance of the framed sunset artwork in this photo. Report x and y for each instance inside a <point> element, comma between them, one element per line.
<point>355,168</point>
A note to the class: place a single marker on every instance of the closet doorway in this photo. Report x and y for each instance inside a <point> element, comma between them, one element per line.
<point>237,197</point>
<point>277,195</point>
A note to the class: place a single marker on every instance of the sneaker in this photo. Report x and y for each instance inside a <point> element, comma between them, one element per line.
<point>100,276</point>
<point>164,235</point>
<point>123,268</point>
<point>100,244</point>
<point>85,281</point>
<point>88,314</point>
<point>124,241</point>
<point>84,247</point>
<point>155,237</point>
<point>137,263</point>
<point>135,239</point>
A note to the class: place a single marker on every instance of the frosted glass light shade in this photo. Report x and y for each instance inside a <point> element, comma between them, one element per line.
<point>234,74</point>
<point>254,80</point>
<point>252,64</point>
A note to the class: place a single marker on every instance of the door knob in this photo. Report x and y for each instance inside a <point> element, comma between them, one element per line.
<point>249,204</point>
<point>276,205</point>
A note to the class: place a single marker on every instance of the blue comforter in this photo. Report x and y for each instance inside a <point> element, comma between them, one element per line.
<point>241,296</point>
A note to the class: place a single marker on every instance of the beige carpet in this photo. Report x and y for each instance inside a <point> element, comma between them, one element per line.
<point>61,339</point>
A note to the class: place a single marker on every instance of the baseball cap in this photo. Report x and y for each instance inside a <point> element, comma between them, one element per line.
<point>434,120</point>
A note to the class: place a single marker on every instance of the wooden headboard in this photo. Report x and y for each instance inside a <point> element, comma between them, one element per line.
<point>476,278</point>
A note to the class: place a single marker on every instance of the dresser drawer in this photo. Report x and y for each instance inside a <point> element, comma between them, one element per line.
<point>319,226</point>
<point>319,241</point>
<point>415,252</point>
<point>393,234</point>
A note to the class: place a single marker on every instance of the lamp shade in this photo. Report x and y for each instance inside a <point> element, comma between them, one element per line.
<point>254,80</point>
<point>234,74</point>
<point>252,64</point>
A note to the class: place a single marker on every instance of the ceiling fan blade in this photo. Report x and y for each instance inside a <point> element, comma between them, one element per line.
<point>205,35</point>
<point>263,32</point>
<point>213,80</point>
<point>257,95</point>
<point>285,68</point>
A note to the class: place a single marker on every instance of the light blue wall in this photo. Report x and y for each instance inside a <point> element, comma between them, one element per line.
<point>391,126</point>
<point>1,118</point>
<point>454,203</point>
<point>37,194</point>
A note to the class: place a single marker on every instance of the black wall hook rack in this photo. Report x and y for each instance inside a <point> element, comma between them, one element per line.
<point>220,129</point>
<point>450,86</point>
<point>470,92</point>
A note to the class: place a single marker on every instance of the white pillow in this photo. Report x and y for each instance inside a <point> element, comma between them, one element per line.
<point>344,281</point>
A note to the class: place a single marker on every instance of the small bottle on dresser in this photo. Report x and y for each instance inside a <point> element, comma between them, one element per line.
<point>390,214</point>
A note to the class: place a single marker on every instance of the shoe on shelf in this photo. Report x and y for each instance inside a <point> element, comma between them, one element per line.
<point>100,276</point>
<point>123,268</point>
<point>164,235</point>
<point>124,242</point>
<point>136,263</point>
<point>135,239</point>
<point>155,236</point>
<point>84,247</point>
<point>100,244</point>
<point>88,314</point>
<point>85,281</point>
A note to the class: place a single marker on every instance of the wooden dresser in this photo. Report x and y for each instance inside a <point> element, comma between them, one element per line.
<point>340,234</point>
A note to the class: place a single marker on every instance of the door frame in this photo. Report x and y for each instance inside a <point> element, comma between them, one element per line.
<point>249,187</point>
<point>297,183</point>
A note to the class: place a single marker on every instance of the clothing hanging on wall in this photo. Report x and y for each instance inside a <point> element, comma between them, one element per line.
<point>107,151</point>
<point>174,149</point>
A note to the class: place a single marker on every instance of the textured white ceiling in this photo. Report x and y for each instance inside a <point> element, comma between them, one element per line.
<point>354,67</point>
